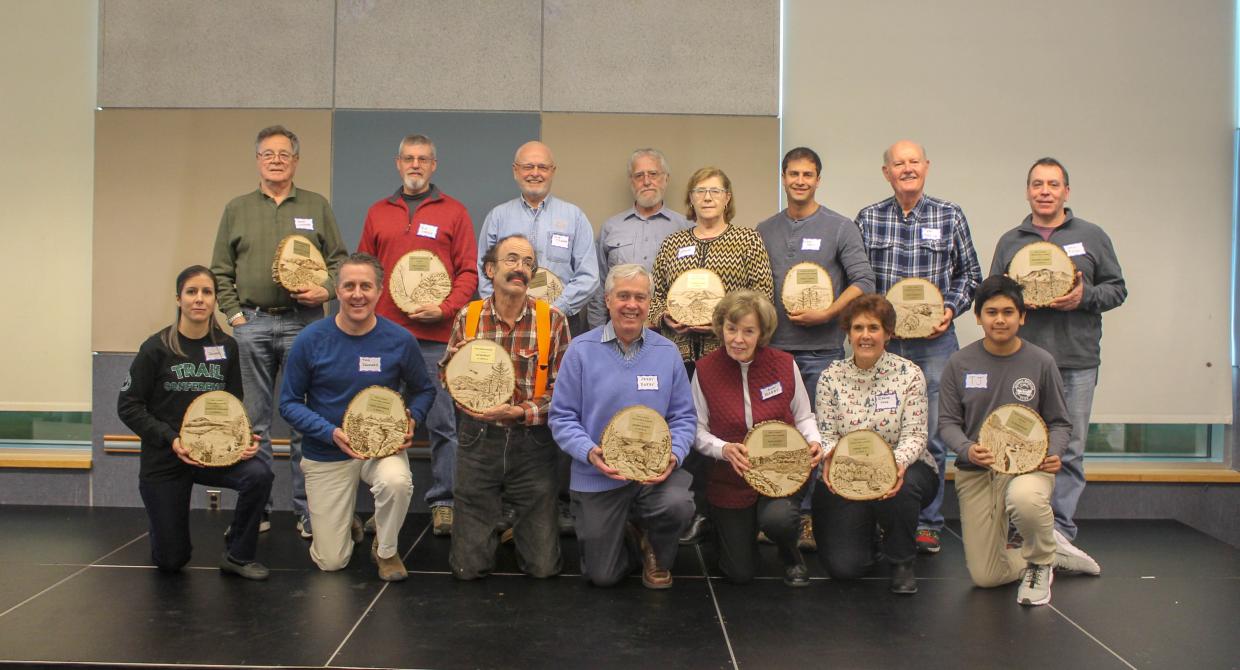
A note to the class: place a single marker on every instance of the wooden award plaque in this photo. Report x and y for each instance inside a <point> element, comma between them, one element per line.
<point>807,286</point>
<point>1044,270</point>
<point>298,265</point>
<point>215,429</point>
<point>546,286</point>
<point>375,422</point>
<point>1018,438</point>
<point>778,459</point>
<point>692,297</point>
<point>863,466</point>
<point>480,375</point>
<point>419,278</point>
<point>637,442</point>
<point>919,307</point>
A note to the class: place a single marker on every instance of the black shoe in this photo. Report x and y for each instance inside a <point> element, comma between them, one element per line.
<point>506,519</point>
<point>696,532</point>
<point>903,581</point>
<point>565,518</point>
<point>796,575</point>
<point>252,570</point>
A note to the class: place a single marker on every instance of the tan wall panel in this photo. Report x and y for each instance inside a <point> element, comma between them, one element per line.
<point>592,152</point>
<point>162,178</point>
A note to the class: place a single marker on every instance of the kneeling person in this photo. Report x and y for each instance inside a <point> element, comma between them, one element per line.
<point>635,366</point>
<point>329,363</point>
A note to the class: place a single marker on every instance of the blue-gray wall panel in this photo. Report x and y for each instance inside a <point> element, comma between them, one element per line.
<point>22,486</point>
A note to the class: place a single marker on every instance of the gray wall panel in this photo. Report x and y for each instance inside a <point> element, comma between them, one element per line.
<point>475,151</point>
<point>22,486</point>
<point>650,57</point>
<point>181,53</point>
<point>473,54</point>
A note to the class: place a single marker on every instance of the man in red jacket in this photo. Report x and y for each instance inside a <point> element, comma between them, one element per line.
<point>419,216</point>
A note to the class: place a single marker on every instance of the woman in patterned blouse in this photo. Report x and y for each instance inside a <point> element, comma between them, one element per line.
<point>882,392</point>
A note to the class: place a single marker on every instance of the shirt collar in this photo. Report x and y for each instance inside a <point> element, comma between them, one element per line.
<point>1027,224</point>
<point>609,334</point>
<point>542,206</point>
<point>662,213</point>
<point>433,195</point>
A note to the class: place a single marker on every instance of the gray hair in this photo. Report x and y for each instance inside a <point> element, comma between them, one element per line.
<point>271,131</point>
<point>415,139</point>
<point>887,152</point>
<point>653,153</point>
<point>625,271</point>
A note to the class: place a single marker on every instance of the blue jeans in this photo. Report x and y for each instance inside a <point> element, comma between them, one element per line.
<point>931,356</point>
<point>812,364</point>
<point>1078,391</point>
<point>264,342</point>
<point>440,429</point>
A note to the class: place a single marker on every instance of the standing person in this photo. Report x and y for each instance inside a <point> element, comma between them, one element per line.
<point>507,454</point>
<point>634,235</point>
<point>637,367</point>
<point>1070,327</point>
<point>808,232</point>
<point>266,317</point>
<point>420,216</point>
<point>330,362</point>
<point>174,366</point>
<point>912,234</point>
<point>1001,369</point>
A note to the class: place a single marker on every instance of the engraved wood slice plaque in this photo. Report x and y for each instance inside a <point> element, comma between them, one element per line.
<point>419,278</point>
<point>215,429</point>
<point>1018,438</point>
<point>919,307</point>
<point>298,265</point>
<point>637,442</point>
<point>375,422</point>
<point>778,459</point>
<point>807,286</point>
<point>692,297</point>
<point>546,286</point>
<point>480,375</point>
<point>863,466</point>
<point>1044,270</point>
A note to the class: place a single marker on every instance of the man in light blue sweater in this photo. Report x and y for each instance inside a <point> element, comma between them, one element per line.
<point>605,370</point>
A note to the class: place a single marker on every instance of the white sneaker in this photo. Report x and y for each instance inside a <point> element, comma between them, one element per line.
<point>1035,585</point>
<point>1069,558</point>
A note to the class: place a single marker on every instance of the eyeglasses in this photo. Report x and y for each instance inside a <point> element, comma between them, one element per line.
<point>417,160</point>
<point>530,167</point>
<point>652,175</point>
<point>268,156</point>
<point>513,260</point>
<point>703,192</point>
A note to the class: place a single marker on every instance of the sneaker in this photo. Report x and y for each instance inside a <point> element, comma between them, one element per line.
<point>303,527</point>
<point>1035,585</point>
<point>696,531</point>
<point>357,530</point>
<point>506,536</point>
<point>796,575</point>
<point>565,518</point>
<point>903,580</point>
<point>653,577</point>
<point>927,541</point>
<point>369,526</point>
<point>391,569</point>
<point>806,541</point>
<point>441,520</point>
<point>1069,558</point>
<point>252,570</point>
<point>265,524</point>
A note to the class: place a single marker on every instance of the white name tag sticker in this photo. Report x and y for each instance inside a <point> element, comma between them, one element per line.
<point>303,224</point>
<point>1074,249</point>
<point>647,382</point>
<point>368,364</point>
<point>771,391</point>
<point>427,230</point>
<point>215,353</point>
<point>559,240</point>
<point>686,251</point>
<point>975,380</point>
<point>886,401</point>
<point>931,234</point>
<point>811,244</point>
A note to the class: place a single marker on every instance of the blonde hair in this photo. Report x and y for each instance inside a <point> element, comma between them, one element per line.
<point>702,175</point>
<point>739,304</point>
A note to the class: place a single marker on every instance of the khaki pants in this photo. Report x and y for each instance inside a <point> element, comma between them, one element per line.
<point>331,495</point>
<point>987,501</point>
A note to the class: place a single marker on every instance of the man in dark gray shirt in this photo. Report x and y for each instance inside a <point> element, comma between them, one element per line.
<point>1070,327</point>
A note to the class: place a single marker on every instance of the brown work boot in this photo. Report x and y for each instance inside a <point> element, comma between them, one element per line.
<point>806,541</point>
<point>653,577</point>
<point>441,520</point>
<point>390,569</point>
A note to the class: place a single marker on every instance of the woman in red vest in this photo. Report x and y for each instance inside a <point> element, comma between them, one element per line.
<point>749,383</point>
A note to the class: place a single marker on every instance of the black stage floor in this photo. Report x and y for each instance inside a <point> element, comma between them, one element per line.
<point>76,586</point>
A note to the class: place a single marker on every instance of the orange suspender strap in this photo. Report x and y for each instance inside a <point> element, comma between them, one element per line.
<point>472,313</point>
<point>542,312</point>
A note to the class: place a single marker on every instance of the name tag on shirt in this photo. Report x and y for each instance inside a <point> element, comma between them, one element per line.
<point>215,353</point>
<point>368,364</point>
<point>427,230</point>
<point>811,244</point>
<point>559,240</point>
<point>647,382</point>
<point>1074,249</point>
<point>975,380</point>
<point>931,234</point>
<point>886,401</point>
<point>771,391</point>
<point>303,224</point>
<point>686,251</point>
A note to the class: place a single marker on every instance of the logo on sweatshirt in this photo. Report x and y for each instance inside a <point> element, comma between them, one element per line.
<point>1024,389</point>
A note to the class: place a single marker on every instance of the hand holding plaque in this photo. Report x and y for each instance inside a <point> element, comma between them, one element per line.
<point>215,431</point>
<point>480,375</point>
<point>779,459</point>
<point>862,467</point>
<point>637,443</point>
<point>1016,438</point>
<point>376,422</point>
<point>919,307</point>
<point>419,278</point>
<point>1044,271</point>
<point>298,264</point>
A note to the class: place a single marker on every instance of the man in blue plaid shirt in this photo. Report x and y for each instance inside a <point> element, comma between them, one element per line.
<point>914,235</point>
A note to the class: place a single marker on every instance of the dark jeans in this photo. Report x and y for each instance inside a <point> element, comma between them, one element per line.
<point>662,511</point>
<point>737,533</point>
<point>515,464</point>
<point>844,529</point>
<point>167,507</point>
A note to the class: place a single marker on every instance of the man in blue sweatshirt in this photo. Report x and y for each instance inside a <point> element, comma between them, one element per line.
<point>605,370</point>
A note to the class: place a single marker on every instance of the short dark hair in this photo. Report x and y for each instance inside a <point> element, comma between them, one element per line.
<point>799,154</point>
<point>271,131</point>
<point>999,285</point>
<point>872,304</point>
<point>492,255</point>
<point>1048,161</point>
<point>360,258</point>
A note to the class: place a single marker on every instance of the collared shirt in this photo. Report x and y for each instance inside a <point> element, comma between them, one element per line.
<point>562,237</point>
<point>628,237</point>
<point>630,352</point>
<point>931,242</point>
<point>520,340</point>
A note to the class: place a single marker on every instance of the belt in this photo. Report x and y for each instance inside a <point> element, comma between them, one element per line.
<point>273,311</point>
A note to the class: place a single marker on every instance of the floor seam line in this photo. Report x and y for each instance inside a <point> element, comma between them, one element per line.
<point>1091,636</point>
<point>710,587</point>
<point>84,568</point>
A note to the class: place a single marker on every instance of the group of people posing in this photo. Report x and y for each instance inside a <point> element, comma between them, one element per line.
<point>532,468</point>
